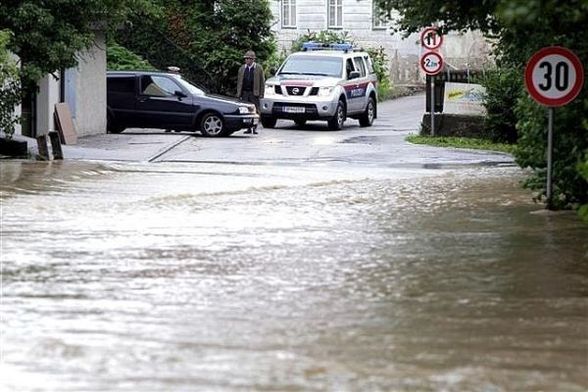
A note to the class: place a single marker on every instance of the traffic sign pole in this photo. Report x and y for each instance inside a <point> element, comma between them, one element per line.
<point>432,106</point>
<point>549,190</point>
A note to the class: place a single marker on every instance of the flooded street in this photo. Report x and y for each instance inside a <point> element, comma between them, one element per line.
<point>223,277</point>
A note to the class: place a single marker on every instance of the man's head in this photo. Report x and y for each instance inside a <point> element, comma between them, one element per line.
<point>249,57</point>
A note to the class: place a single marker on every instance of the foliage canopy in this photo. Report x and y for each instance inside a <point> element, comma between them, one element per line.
<point>206,39</point>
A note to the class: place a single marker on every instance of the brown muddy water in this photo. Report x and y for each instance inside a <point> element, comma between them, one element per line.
<point>132,277</point>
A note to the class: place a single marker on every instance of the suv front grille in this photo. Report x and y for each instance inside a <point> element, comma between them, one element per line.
<point>295,90</point>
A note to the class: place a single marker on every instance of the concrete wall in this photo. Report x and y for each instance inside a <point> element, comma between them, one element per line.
<point>87,84</point>
<point>403,53</point>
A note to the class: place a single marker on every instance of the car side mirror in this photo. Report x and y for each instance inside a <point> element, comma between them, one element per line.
<point>180,94</point>
<point>353,74</point>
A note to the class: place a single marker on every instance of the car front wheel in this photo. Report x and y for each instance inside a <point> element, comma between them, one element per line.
<point>211,125</point>
<point>336,122</point>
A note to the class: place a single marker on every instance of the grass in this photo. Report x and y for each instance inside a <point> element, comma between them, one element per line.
<point>462,142</point>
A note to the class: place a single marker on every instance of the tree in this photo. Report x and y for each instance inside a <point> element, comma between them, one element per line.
<point>206,39</point>
<point>48,34</point>
<point>9,87</point>
<point>521,27</point>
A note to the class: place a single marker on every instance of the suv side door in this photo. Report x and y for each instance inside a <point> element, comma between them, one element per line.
<point>356,88</point>
<point>163,103</point>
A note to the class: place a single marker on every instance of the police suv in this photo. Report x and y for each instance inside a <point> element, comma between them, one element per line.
<point>322,82</point>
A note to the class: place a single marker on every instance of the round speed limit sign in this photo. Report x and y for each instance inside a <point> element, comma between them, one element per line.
<point>554,76</point>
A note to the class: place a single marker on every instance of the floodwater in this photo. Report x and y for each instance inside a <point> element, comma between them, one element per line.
<point>132,277</point>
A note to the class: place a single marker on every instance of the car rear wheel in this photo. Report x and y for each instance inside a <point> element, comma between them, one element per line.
<point>111,126</point>
<point>367,118</point>
<point>268,121</point>
<point>336,122</point>
<point>212,125</point>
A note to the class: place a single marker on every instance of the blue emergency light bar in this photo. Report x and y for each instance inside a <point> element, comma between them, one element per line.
<point>308,46</point>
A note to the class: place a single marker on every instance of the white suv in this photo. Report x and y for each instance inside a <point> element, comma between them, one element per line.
<point>322,83</point>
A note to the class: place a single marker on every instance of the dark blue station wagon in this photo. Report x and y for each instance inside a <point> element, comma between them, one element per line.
<point>144,99</point>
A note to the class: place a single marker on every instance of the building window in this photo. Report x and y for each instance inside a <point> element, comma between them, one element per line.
<point>288,13</point>
<point>335,13</point>
<point>379,19</point>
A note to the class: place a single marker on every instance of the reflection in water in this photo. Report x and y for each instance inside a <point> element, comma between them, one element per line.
<point>133,277</point>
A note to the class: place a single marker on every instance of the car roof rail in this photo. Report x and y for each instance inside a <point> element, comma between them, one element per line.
<point>311,45</point>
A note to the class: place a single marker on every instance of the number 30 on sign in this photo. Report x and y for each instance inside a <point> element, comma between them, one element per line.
<point>554,76</point>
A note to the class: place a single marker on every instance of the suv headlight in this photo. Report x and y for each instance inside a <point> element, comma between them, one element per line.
<point>325,91</point>
<point>270,89</point>
<point>243,110</point>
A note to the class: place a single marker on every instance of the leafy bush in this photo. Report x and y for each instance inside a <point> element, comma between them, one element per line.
<point>323,37</point>
<point>120,58</point>
<point>504,86</point>
<point>570,142</point>
<point>10,89</point>
<point>380,60</point>
<point>583,169</point>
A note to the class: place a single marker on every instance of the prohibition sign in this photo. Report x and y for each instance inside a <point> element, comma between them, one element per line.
<point>554,76</point>
<point>430,39</point>
<point>431,63</point>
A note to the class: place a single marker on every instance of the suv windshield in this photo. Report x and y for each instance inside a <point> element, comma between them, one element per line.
<point>312,65</point>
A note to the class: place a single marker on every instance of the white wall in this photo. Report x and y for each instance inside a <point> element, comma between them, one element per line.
<point>403,53</point>
<point>88,79</point>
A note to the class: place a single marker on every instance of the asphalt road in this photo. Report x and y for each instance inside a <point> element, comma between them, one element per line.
<point>383,144</point>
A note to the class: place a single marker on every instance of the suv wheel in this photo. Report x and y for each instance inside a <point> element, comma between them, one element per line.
<point>367,118</point>
<point>268,121</point>
<point>336,122</point>
<point>211,125</point>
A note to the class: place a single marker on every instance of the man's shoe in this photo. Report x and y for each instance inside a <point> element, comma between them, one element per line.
<point>255,132</point>
<point>248,131</point>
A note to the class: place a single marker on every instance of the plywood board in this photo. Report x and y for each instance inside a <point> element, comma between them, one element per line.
<point>65,125</point>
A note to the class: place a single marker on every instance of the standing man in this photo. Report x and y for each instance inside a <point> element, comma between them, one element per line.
<point>251,83</point>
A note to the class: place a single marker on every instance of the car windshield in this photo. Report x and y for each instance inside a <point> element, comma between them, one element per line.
<point>191,87</point>
<point>313,65</point>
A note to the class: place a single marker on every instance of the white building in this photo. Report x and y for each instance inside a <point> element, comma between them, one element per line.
<point>360,19</point>
<point>83,88</point>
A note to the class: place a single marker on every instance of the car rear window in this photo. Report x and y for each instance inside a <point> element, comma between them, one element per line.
<point>159,86</point>
<point>121,84</point>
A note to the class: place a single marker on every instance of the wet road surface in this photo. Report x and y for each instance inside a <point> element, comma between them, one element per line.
<point>289,273</point>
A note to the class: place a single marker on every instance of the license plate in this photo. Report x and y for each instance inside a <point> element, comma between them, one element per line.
<point>293,109</point>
